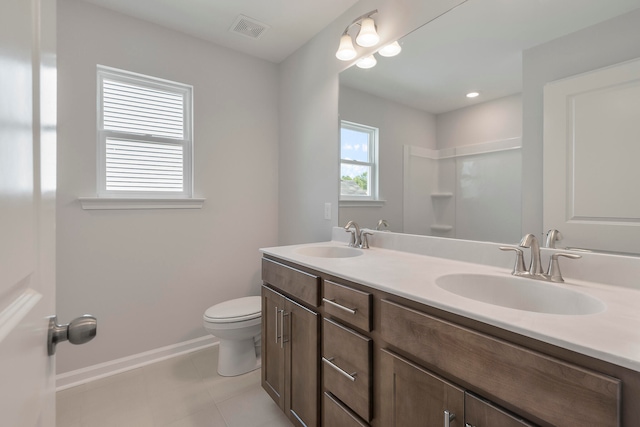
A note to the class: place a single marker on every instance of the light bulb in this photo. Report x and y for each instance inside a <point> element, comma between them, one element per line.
<point>367,36</point>
<point>472,94</point>
<point>367,62</point>
<point>346,51</point>
<point>390,50</point>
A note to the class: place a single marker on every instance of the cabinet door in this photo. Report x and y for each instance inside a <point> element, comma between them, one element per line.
<point>273,360</point>
<point>481,413</point>
<point>301,344</point>
<point>413,396</point>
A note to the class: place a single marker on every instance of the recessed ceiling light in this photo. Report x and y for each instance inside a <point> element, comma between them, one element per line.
<point>472,94</point>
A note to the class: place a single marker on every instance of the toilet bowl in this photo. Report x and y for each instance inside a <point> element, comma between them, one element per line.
<point>237,323</point>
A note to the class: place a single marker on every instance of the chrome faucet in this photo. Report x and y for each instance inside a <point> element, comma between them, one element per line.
<point>358,235</point>
<point>552,237</point>
<point>355,235</point>
<point>531,241</point>
<point>535,269</point>
<point>382,223</point>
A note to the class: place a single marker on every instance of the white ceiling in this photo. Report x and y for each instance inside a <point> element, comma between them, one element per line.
<point>477,46</point>
<point>292,22</point>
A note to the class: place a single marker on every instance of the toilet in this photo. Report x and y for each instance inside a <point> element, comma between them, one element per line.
<point>237,323</point>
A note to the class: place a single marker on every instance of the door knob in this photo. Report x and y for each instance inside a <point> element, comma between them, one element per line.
<point>78,331</point>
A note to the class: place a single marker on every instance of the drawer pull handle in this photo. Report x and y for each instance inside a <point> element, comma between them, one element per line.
<point>277,334</point>
<point>448,417</point>
<point>341,307</point>
<point>329,362</point>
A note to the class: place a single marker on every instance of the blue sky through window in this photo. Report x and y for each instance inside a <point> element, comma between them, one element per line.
<point>354,145</point>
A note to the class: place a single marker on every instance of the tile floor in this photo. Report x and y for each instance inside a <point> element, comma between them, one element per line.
<point>184,391</point>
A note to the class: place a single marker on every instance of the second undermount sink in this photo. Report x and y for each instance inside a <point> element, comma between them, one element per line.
<point>520,294</point>
<point>329,251</point>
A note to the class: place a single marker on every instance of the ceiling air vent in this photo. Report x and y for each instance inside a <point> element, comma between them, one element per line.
<point>248,27</point>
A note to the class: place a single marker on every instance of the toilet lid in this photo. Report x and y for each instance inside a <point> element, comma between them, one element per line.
<point>235,310</point>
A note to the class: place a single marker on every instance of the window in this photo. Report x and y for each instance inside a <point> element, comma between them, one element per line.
<point>144,136</point>
<point>358,162</point>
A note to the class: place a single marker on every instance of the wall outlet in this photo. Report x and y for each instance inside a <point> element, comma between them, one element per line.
<point>327,211</point>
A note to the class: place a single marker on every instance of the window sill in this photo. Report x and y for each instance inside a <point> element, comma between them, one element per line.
<point>361,203</point>
<point>96,203</point>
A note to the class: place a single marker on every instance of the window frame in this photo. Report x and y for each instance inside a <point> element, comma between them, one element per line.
<point>128,77</point>
<point>373,162</point>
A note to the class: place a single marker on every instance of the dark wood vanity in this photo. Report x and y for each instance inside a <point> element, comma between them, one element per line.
<point>338,353</point>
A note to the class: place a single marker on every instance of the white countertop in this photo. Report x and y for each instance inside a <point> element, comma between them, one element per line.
<point>612,335</point>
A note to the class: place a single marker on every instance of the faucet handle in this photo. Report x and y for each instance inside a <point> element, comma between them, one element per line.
<point>554,266</point>
<point>364,242</point>
<point>518,267</point>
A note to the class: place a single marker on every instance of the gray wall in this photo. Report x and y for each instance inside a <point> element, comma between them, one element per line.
<point>485,122</point>
<point>308,108</point>
<point>149,275</point>
<point>398,125</point>
<point>608,43</point>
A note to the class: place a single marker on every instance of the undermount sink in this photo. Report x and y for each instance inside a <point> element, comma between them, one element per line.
<point>520,294</point>
<point>329,251</point>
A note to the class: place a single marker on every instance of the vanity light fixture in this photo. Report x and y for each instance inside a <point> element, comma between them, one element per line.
<point>367,36</point>
<point>390,50</point>
<point>346,51</point>
<point>367,62</point>
<point>473,94</point>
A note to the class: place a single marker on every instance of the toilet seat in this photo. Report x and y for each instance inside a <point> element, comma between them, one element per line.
<point>236,310</point>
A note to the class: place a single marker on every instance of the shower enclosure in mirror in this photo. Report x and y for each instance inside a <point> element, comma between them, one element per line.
<point>449,165</point>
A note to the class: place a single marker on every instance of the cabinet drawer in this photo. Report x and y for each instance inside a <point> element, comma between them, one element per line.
<point>336,414</point>
<point>545,388</point>
<point>297,283</point>
<point>347,304</point>
<point>346,366</point>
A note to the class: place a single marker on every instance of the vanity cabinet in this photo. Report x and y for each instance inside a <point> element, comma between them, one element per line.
<point>346,367</point>
<point>336,414</point>
<point>548,389</point>
<point>340,354</point>
<point>414,397</point>
<point>482,413</point>
<point>347,355</point>
<point>290,345</point>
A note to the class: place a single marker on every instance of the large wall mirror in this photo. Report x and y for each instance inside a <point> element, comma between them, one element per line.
<point>449,165</point>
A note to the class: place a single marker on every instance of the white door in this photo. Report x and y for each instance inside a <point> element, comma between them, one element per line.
<point>27,207</point>
<point>591,151</point>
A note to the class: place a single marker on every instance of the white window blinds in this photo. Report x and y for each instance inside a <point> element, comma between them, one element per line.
<point>144,134</point>
<point>136,109</point>
<point>143,166</point>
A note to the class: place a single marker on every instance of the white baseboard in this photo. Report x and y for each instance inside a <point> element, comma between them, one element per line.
<point>102,370</point>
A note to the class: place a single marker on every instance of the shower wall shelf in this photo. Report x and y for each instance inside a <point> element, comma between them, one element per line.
<point>438,227</point>
<point>441,195</point>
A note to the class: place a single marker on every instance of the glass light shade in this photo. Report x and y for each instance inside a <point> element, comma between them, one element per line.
<point>346,51</point>
<point>367,36</point>
<point>391,49</point>
<point>367,62</point>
